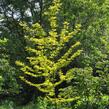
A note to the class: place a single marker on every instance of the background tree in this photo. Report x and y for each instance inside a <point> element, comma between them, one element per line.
<point>93,16</point>
<point>8,83</point>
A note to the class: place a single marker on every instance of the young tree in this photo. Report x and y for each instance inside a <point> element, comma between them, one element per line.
<point>50,54</point>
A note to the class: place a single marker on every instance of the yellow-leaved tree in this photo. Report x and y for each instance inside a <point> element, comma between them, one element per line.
<point>50,56</point>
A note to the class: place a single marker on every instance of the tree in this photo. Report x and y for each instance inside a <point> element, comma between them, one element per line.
<point>8,83</point>
<point>51,52</point>
<point>93,16</point>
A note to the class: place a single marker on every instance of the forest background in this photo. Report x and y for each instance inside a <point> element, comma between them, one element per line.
<point>22,20</point>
